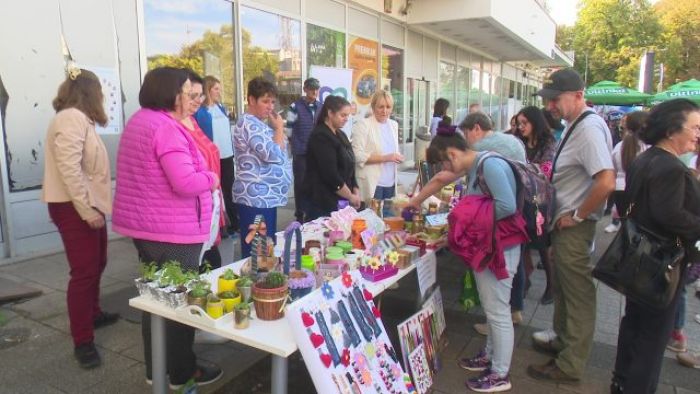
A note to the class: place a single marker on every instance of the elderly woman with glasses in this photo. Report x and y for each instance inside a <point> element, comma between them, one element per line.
<point>163,201</point>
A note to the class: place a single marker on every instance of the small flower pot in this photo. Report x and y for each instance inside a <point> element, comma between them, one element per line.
<point>241,318</point>
<point>177,297</point>
<point>142,287</point>
<point>245,292</point>
<point>199,301</point>
<point>230,303</point>
<point>226,284</point>
<point>215,308</point>
<point>269,303</point>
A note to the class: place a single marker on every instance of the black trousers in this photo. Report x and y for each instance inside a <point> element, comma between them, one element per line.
<point>181,361</point>
<point>621,203</point>
<point>299,169</point>
<point>641,344</point>
<point>227,178</point>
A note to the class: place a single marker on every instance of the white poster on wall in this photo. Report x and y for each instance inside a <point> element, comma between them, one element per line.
<point>335,81</point>
<point>109,79</point>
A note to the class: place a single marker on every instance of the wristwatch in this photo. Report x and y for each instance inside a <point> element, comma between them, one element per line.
<point>576,218</point>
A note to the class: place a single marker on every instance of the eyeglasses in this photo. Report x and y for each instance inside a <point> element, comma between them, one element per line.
<point>695,129</point>
<point>195,96</point>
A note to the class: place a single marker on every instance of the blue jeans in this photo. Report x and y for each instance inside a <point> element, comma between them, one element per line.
<point>680,312</point>
<point>246,217</point>
<point>384,192</point>
<point>495,296</point>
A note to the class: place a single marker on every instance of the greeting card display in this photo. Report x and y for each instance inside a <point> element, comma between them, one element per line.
<point>420,330</point>
<point>418,364</point>
<point>340,334</point>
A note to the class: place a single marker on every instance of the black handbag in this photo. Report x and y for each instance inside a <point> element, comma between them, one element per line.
<point>642,265</point>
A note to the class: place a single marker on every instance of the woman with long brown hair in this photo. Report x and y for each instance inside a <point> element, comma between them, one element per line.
<point>623,155</point>
<point>77,187</point>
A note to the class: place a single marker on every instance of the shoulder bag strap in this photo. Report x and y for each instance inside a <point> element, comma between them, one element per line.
<point>566,138</point>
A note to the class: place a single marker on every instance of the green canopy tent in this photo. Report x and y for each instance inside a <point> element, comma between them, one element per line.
<point>612,93</point>
<point>689,89</point>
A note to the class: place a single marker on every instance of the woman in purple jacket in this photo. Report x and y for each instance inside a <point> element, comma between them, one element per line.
<point>163,201</point>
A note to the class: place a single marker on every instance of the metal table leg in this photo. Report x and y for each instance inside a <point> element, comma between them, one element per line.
<point>279,375</point>
<point>158,350</point>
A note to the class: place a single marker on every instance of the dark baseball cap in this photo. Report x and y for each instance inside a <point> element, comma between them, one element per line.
<point>312,83</point>
<point>560,81</point>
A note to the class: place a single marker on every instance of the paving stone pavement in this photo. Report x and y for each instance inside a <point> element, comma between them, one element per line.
<point>44,363</point>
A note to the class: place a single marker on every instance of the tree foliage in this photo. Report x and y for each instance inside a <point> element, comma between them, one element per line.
<point>218,48</point>
<point>610,36</point>
<point>681,38</point>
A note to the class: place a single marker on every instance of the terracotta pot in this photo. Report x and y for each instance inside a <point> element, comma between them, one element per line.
<point>269,303</point>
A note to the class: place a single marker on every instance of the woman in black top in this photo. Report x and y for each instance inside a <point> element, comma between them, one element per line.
<point>330,162</point>
<point>666,200</point>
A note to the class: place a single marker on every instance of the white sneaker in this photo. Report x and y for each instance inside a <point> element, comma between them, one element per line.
<point>547,335</point>
<point>207,338</point>
<point>697,318</point>
<point>612,228</point>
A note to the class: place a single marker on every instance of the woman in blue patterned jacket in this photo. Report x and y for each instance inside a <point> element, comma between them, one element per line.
<point>263,169</point>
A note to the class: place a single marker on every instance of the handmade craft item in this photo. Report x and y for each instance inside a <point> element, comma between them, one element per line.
<point>301,281</point>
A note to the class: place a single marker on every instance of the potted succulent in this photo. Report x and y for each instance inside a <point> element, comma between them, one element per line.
<point>230,299</point>
<point>199,289</point>
<point>148,275</point>
<point>215,307</point>
<point>241,315</point>
<point>227,281</point>
<point>270,296</point>
<point>244,287</point>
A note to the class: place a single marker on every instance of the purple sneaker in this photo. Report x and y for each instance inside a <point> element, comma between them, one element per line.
<point>489,382</point>
<point>480,362</point>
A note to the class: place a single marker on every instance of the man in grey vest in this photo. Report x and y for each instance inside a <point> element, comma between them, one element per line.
<point>583,176</point>
<point>301,118</point>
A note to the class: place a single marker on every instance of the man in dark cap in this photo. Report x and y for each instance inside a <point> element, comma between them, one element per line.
<point>583,176</point>
<point>301,118</point>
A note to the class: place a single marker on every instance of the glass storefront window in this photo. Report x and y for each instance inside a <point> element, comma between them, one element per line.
<point>392,81</point>
<point>462,92</point>
<point>199,38</point>
<point>475,88</point>
<point>363,59</point>
<point>447,85</point>
<point>324,47</point>
<point>272,50</point>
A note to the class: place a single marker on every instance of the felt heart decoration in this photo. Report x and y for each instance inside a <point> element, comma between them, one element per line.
<point>326,359</point>
<point>376,312</point>
<point>367,294</point>
<point>345,357</point>
<point>316,339</point>
<point>307,319</point>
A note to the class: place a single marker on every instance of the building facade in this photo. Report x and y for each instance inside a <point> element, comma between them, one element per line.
<point>489,52</point>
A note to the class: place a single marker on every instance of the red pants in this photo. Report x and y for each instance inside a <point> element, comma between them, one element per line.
<point>86,250</point>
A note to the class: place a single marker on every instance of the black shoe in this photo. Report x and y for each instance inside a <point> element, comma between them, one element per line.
<point>105,319</point>
<point>87,356</point>
<point>547,298</point>
<point>205,374</point>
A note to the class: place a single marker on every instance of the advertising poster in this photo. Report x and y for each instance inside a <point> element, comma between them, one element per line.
<point>343,340</point>
<point>335,81</point>
<point>109,79</point>
<point>363,59</point>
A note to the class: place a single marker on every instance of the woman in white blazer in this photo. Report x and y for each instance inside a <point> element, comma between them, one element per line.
<point>375,141</point>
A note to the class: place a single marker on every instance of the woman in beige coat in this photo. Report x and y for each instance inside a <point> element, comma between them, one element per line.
<point>375,142</point>
<point>77,187</point>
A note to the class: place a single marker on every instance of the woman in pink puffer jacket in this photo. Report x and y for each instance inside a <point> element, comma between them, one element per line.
<point>163,201</point>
